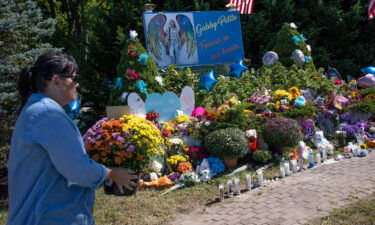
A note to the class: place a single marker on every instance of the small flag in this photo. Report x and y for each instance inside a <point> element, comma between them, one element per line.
<point>371,9</point>
<point>243,6</point>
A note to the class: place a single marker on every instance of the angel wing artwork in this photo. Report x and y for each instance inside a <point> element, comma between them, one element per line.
<point>171,39</point>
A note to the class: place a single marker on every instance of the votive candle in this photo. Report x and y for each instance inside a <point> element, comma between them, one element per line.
<point>260,177</point>
<point>248,182</point>
<point>230,188</point>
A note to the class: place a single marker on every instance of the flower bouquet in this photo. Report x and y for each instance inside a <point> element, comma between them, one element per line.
<point>130,142</point>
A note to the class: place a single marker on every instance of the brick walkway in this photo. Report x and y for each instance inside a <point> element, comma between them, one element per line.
<point>296,199</point>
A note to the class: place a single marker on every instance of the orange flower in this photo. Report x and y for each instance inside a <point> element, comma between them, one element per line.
<point>128,155</point>
<point>118,160</point>
<point>140,157</point>
<point>103,153</point>
<point>184,167</point>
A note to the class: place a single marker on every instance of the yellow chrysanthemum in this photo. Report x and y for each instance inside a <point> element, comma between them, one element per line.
<point>294,92</point>
<point>279,94</point>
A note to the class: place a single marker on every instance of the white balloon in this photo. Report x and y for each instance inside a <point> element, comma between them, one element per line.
<point>137,105</point>
<point>187,100</point>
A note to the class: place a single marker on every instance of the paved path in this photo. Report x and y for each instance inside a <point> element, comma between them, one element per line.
<point>296,199</point>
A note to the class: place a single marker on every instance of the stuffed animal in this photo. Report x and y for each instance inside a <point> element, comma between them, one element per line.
<point>302,150</point>
<point>205,175</point>
<point>321,143</point>
<point>204,170</point>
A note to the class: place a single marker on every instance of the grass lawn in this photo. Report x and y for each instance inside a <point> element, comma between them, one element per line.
<point>361,212</point>
<point>146,207</point>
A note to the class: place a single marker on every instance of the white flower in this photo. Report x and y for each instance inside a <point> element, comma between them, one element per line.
<point>207,123</point>
<point>159,79</point>
<point>133,35</point>
<point>251,133</point>
<point>308,48</point>
<point>175,141</point>
<point>293,25</point>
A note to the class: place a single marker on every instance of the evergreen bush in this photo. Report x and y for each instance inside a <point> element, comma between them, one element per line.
<point>226,143</point>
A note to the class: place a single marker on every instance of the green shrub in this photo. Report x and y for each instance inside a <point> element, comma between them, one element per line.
<point>235,117</point>
<point>364,106</point>
<point>281,132</point>
<point>261,157</point>
<point>226,143</point>
<point>302,113</point>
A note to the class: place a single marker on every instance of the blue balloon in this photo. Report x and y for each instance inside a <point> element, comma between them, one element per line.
<point>207,81</point>
<point>237,69</point>
<point>72,109</point>
<point>368,70</point>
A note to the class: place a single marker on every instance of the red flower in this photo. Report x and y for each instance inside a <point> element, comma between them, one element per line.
<point>338,81</point>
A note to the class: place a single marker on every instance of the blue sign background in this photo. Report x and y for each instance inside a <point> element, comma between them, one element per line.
<point>218,36</point>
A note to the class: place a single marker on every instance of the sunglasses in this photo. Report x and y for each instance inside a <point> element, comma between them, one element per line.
<point>75,78</point>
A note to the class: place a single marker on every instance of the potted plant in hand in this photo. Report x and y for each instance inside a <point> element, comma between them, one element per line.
<point>228,144</point>
<point>130,142</point>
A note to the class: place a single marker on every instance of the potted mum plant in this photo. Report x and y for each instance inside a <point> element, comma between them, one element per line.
<point>130,142</point>
<point>281,133</point>
<point>228,144</point>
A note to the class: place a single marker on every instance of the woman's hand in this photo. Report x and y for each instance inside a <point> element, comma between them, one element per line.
<point>123,178</point>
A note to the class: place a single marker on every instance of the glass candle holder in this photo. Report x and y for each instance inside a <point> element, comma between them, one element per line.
<point>311,159</point>
<point>260,177</point>
<point>294,165</point>
<point>300,164</point>
<point>318,159</point>
<point>287,167</point>
<point>282,171</point>
<point>221,193</point>
<point>248,182</point>
<point>237,186</point>
<point>230,188</point>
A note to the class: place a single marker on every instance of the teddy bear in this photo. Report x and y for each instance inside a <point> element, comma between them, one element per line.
<point>204,170</point>
<point>321,143</point>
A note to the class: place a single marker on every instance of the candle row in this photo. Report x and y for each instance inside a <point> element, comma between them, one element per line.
<point>236,189</point>
<point>286,170</point>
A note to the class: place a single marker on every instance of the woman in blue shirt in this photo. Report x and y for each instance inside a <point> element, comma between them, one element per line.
<point>51,178</point>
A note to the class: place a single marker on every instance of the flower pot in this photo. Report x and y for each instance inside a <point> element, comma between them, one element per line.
<point>230,162</point>
<point>111,188</point>
<point>116,112</point>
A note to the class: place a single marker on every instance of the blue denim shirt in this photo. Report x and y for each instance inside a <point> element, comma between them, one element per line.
<point>51,178</point>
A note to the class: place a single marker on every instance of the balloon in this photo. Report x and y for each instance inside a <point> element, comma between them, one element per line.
<point>298,57</point>
<point>207,81</point>
<point>237,69</point>
<point>198,112</point>
<point>332,72</point>
<point>367,81</point>
<point>72,109</point>
<point>270,58</point>
<point>368,70</point>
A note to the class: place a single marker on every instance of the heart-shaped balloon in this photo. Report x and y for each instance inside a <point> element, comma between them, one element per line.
<point>207,81</point>
<point>166,105</point>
